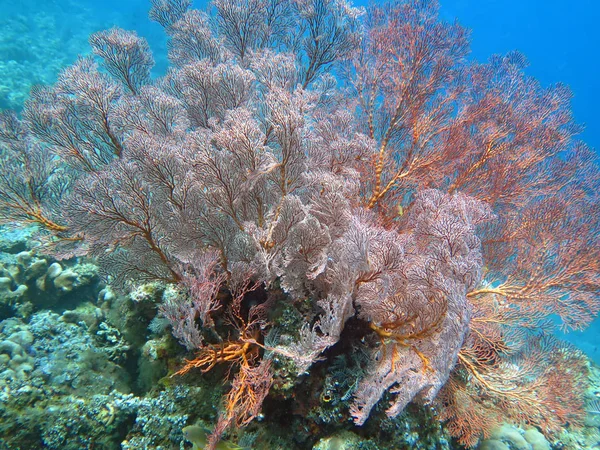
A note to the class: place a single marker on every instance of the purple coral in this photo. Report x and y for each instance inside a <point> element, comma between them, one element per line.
<point>248,167</point>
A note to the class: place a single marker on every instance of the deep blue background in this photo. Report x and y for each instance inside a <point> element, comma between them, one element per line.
<point>560,38</point>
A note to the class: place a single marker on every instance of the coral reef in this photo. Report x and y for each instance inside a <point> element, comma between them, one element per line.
<point>316,210</point>
<point>510,437</point>
<point>50,369</point>
<point>39,39</point>
<point>77,369</point>
<point>35,44</point>
<point>29,281</point>
<point>66,383</point>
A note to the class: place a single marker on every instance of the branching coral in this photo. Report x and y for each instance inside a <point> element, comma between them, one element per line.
<point>359,163</point>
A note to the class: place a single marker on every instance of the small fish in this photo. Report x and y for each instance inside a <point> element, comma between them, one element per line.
<point>198,436</point>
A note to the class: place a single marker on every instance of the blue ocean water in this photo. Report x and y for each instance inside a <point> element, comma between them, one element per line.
<point>560,38</point>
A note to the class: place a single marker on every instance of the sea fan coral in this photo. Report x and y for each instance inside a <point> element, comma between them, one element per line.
<point>356,161</point>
